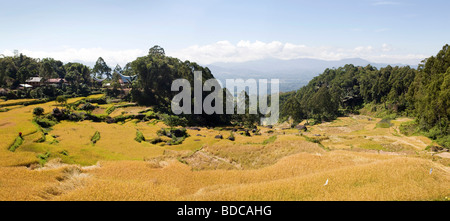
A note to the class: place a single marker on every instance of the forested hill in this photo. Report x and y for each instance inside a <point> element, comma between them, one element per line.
<point>423,93</point>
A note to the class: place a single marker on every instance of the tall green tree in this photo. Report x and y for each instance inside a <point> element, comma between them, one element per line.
<point>156,50</point>
<point>101,68</point>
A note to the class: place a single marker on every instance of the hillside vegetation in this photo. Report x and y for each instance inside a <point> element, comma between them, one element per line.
<point>389,92</point>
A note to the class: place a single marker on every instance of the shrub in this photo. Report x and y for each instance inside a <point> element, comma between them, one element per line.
<point>61,100</point>
<point>444,141</point>
<point>384,123</point>
<point>110,109</point>
<point>88,107</point>
<point>38,111</point>
<point>44,122</point>
<point>177,135</point>
<point>60,114</point>
<point>156,140</point>
<point>231,137</point>
<point>17,142</point>
<point>176,140</point>
<point>75,117</point>
<point>172,132</point>
<point>65,153</point>
<point>97,118</point>
<point>409,128</point>
<point>43,158</point>
<point>110,120</point>
<point>101,100</point>
<point>139,136</point>
<point>122,118</point>
<point>173,121</point>
<point>96,137</point>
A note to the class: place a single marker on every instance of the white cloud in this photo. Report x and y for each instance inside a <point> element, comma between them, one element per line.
<point>225,51</point>
<point>386,48</point>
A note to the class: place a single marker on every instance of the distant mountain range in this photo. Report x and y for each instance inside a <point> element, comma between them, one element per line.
<point>293,74</point>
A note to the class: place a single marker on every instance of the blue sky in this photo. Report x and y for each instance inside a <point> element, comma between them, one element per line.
<point>396,31</point>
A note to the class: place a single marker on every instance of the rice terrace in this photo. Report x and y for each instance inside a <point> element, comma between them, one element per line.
<point>360,160</point>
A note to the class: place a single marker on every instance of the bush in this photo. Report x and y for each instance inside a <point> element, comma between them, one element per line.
<point>172,132</point>
<point>101,100</point>
<point>45,122</point>
<point>43,158</point>
<point>110,109</point>
<point>231,137</point>
<point>16,144</point>
<point>75,117</point>
<point>176,140</point>
<point>444,141</point>
<point>38,111</point>
<point>384,123</point>
<point>156,140</point>
<point>61,100</point>
<point>139,136</point>
<point>60,114</point>
<point>88,107</point>
<point>409,128</point>
<point>96,137</point>
<point>173,121</point>
<point>122,118</point>
<point>177,135</point>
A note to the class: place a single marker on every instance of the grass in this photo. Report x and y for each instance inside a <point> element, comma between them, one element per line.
<point>270,140</point>
<point>17,142</point>
<point>384,123</point>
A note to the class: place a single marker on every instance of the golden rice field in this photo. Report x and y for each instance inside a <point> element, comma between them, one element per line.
<point>359,160</point>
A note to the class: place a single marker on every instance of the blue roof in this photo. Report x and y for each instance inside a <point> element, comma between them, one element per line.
<point>128,79</point>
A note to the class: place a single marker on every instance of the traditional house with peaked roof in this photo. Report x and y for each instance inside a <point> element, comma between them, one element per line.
<point>126,80</point>
<point>37,81</point>
<point>34,81</point>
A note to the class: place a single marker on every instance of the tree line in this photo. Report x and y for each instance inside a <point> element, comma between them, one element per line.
<point>15,70</point>
<point>423,93</point>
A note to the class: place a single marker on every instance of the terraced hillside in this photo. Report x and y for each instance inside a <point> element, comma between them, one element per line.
<point>357,157</point>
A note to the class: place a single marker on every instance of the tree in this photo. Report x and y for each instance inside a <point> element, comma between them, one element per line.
<point>51,68</point>
<point>101,68</point>
<point>88,107</point>
<point>323,107</point>
<point>38,111</point>
<point>116,74</point>
<point>293,109</point>
<point>16,70</point>
<point>118,69</point>
<point>127,70</point>
<point>156,50</point>
<point>62,100</point>
<point>173,121</point>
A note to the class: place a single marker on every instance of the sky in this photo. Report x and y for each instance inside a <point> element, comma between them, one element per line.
<point>208,31</point>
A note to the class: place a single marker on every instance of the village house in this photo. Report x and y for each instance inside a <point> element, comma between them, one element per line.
<point>37,82</point>
<point>34,81</point>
